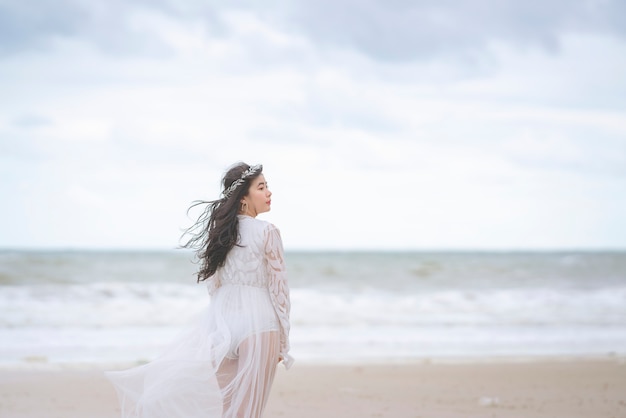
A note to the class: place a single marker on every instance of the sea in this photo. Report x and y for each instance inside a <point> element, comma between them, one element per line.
<point>105,307</point>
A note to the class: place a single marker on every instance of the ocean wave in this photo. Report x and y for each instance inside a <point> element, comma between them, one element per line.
<point>138,304</point>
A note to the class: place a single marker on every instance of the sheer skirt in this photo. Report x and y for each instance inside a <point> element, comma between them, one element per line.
<point>224,366</point>
<point>245,382</point>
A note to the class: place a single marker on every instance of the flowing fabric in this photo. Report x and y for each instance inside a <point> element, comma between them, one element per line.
<point>224,366</point>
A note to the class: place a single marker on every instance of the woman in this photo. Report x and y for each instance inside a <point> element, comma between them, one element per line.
<point>225,366</point>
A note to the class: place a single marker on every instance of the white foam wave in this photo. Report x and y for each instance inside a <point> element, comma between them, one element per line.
<point>132,321</point>
<point>138,304</point>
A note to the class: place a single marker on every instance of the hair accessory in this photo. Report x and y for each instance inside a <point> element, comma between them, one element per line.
<point>249,172</point>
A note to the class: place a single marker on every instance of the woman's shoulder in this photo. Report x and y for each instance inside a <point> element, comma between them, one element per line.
<point>258,224</point>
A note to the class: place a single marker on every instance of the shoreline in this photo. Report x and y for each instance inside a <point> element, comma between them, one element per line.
<point>37,363</point>
<point>558,386</point>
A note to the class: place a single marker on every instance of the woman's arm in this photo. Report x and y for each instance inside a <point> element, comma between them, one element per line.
<point>278,287</point>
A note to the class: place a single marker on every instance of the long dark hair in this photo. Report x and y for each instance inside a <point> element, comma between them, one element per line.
<point>216,231</point>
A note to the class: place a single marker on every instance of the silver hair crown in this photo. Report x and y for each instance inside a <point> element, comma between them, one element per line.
<point>249,172</point>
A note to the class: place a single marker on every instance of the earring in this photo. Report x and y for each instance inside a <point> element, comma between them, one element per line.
<point>244,207</point>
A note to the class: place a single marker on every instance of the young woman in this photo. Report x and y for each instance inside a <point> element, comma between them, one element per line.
<point>225,366</point>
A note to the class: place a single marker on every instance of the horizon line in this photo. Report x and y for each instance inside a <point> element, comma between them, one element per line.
<point>328,250</point>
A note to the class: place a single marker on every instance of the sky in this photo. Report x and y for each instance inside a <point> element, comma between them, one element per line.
<point>381,125</point>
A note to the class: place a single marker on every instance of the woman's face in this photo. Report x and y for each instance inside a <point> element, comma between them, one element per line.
<point>258,198</point>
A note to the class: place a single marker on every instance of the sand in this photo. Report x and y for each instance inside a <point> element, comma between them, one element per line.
<point>567,388</point>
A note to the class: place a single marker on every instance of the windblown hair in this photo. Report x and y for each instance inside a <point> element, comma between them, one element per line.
<point>216,231</point>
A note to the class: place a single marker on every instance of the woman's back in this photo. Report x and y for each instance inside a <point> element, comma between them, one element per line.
<point>241,294</point>
<point>246,262</point>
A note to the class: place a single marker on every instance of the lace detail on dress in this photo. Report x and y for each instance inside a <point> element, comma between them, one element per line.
<point>278,287</point>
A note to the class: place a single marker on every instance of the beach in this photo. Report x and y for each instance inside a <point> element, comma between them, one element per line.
<point>413,334</point>
<point>541,387</point>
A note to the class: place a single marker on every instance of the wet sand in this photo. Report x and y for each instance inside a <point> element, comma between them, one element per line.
<point>567,388</point>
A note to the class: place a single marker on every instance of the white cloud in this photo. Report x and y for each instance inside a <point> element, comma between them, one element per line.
<point>361,152</point>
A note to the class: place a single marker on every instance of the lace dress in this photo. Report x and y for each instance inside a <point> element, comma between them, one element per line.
<point>224,366</point>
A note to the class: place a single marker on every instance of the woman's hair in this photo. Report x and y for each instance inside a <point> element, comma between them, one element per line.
<point>216,231</point>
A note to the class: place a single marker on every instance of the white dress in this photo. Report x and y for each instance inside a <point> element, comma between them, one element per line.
<point>224,366</point>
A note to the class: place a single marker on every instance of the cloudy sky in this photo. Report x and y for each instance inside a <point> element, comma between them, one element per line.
<point>381,124</point>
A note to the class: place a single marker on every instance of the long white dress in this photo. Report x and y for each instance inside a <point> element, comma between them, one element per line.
<point>223,367</point>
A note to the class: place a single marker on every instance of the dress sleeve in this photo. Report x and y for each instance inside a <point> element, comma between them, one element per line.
<point>279,288</point>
